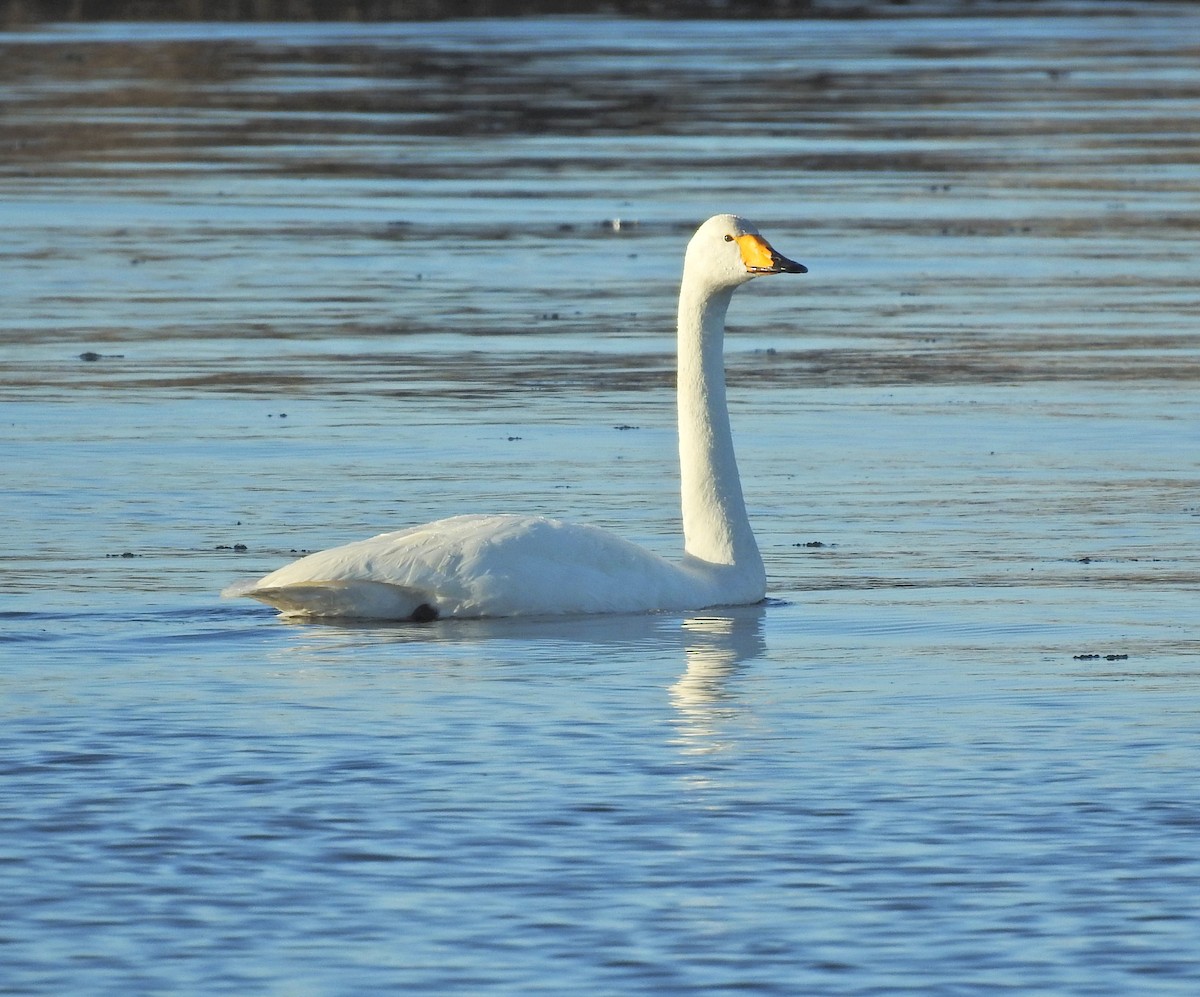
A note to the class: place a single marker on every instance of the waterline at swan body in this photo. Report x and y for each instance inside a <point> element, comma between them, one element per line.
<point>511,565</point>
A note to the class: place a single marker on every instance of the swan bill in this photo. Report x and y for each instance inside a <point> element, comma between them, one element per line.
<point>760,258</point>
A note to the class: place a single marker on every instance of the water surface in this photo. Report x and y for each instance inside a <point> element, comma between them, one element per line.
<point>330,280</point>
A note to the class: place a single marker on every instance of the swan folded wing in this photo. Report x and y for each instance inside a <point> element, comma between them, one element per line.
<point>388,576</point>
<point>480,566</point>
<point>354,599</point>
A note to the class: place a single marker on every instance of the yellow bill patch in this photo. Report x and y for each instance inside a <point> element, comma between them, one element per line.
<point>756,254</point>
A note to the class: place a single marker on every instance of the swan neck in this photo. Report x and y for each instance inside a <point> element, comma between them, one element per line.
<point>715,525</point>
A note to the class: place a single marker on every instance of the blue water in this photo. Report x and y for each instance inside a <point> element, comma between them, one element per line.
<point>346,279</point>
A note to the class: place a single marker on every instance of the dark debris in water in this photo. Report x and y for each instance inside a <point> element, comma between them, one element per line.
<point>1101,657</point>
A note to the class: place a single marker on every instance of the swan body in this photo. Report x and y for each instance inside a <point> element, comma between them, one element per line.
<point>511,565</point>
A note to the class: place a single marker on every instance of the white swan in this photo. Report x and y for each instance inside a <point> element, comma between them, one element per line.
<point>506,565</point>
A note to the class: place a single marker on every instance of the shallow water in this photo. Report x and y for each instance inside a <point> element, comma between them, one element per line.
<point>343,279</point>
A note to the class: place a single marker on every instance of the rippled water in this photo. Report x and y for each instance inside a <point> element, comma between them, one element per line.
<point>330,280</point>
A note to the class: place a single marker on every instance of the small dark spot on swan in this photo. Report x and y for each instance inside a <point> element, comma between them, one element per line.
<point>424,613</point>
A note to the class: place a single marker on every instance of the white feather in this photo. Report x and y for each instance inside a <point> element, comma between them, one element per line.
<point>505,565</point>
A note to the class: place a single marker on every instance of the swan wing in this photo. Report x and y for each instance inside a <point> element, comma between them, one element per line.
<point>498,565</point>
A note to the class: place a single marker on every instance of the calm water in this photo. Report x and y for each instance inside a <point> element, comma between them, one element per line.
<point>335,280</point>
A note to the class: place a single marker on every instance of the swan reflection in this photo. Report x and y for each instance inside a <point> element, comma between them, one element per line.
<point>718,645</point>
<point>713,646</point>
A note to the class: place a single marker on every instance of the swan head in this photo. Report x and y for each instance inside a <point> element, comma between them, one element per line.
<point>727,251</point>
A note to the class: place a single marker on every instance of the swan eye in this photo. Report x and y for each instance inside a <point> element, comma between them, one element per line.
<point>729,238</point>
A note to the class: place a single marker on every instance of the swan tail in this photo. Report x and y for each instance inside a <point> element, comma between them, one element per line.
<point>350,599</point>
